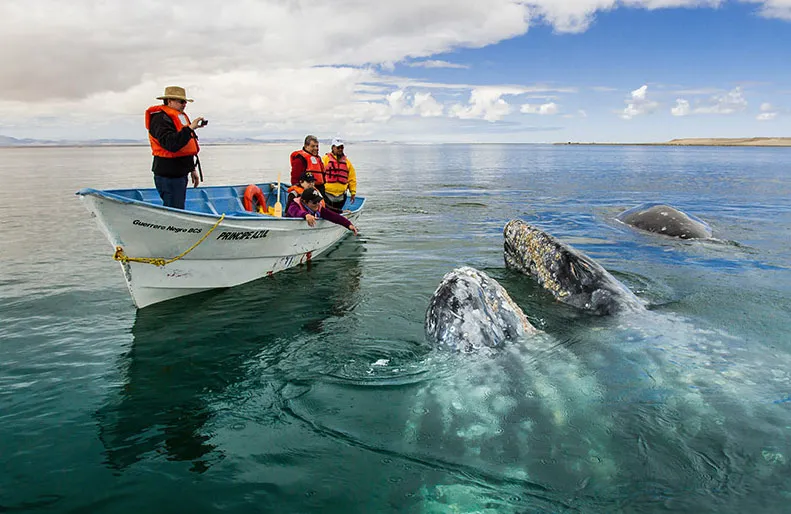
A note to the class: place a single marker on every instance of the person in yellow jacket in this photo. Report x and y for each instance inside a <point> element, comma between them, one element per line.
<point>339,177</point>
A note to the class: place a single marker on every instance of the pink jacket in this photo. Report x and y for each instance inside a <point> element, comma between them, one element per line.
<point>297,210</point>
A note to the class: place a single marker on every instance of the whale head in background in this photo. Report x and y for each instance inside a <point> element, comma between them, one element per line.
<point>666,220</point>
<point>572,277</point>
<point>470,311</point>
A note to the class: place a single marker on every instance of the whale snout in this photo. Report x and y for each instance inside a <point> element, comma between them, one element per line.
<point>470,311</point>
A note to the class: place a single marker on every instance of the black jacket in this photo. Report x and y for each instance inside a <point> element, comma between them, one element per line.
<point>163,130</point>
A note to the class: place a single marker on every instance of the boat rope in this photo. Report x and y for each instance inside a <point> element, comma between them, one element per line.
<point>159,261</point>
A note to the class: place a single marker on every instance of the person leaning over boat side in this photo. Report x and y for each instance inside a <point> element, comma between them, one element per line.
<point>306,180</point>
<point>309,206</point>
<point>308,159</point>
<point>174,145</point>
<point>339,177</point>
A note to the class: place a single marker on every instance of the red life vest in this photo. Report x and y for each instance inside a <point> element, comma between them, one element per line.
<point>314,165</point>
<point>191,148</point>
<point>337,170</point>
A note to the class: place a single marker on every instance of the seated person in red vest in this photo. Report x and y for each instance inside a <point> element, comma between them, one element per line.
<point>339,177</point>
<point>310,205</point>
<point>306,180</point>
<point>174,145</point>
<point>308,160</point>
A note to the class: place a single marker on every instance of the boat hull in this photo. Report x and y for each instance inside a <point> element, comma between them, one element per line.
<point>238,249</point>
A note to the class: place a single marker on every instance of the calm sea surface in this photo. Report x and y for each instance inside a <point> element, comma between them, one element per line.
<point>315,390</point>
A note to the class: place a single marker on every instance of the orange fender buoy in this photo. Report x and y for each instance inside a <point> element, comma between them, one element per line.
<point>253,196</point>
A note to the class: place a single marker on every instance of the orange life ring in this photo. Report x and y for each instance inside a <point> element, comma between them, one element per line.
<point>253,195</point>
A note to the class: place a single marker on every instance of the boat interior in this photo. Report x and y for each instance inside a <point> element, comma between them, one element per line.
<point>217,200</point>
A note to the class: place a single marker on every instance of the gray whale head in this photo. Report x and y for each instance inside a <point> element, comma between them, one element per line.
<point>470,311</point>
<point>572,277</point>
<point>666,220</point>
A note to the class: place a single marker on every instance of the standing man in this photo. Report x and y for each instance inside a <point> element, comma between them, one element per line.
<point>174,145</point>
<point>308,160</point>
<point>339,177</point>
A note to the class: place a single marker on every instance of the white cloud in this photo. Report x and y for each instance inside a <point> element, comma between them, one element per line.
<point>774,8</point>
<point>638,104</point>
<point>542,109</point>
<point>420,104</point>
<point>436,64</point>
<point>768,112</point>
<point>91,46</point>
<point>577,15</point>
<point>728,103</point>
<point>485,103</point>
<point>723,103</point>
<point>766,116</point>
<point>426,106</point>
<point>681,109</point>
<point>252,67</point>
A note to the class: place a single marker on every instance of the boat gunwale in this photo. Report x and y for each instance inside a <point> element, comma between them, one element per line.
<point>107,193</point>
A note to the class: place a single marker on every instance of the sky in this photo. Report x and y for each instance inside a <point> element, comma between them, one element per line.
<point>406,71</point>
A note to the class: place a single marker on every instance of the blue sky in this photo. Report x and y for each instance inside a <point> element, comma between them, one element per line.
<point>427,70</point>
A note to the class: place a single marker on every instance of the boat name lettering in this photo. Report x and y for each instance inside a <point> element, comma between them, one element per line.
<point>169,228</point>
<point>240,236</point>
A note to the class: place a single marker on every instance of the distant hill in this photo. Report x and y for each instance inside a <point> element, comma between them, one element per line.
<point>724,141</point>
<point>706,141</point>
<point>12,141</point>
<point>6,141</point>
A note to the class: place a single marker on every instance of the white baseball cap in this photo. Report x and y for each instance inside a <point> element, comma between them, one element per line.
<point>337,142</point>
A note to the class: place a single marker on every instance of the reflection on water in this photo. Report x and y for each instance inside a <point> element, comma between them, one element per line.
<point>187,351</point>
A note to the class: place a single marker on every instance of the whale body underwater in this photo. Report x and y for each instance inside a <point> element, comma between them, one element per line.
<point>528,408</point>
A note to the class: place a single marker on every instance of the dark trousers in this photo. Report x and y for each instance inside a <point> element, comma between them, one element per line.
<point>335,203</point>
<point>173,191</point>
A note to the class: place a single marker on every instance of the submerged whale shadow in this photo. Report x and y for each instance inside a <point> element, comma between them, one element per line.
<point>182,356</point>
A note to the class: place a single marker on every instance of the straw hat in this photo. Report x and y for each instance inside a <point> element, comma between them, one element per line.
<point>174,93</point>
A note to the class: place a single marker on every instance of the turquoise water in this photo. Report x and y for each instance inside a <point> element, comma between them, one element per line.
<point>315,391</point>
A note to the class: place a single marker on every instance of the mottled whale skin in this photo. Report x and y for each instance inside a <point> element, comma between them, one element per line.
<point>572,277</point>
<point>666,220</point>
<point>471,311</point>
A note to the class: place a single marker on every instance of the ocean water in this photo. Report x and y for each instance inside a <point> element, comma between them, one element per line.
<point>315,390</point>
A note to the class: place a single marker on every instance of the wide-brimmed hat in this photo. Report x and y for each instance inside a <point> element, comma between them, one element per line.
<point>174,93</point>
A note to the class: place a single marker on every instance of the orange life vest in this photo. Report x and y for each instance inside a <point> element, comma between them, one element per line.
<point>337,170</point>
<point>191,148</point>
<point>314,165</point>
<point>296,189</point>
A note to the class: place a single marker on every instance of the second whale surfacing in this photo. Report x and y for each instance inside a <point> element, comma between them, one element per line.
<point>572,277</point>
<point>665,220</point>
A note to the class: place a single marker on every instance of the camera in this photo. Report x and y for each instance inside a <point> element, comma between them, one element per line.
<point>203,123</point>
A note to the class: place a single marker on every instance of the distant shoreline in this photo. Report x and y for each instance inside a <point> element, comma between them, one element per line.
<point>703,141</point>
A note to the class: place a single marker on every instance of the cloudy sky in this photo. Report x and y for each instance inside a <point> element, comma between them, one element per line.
<point>407,70</point>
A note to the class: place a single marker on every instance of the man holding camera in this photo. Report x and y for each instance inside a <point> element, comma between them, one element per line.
<point>174,145</point>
